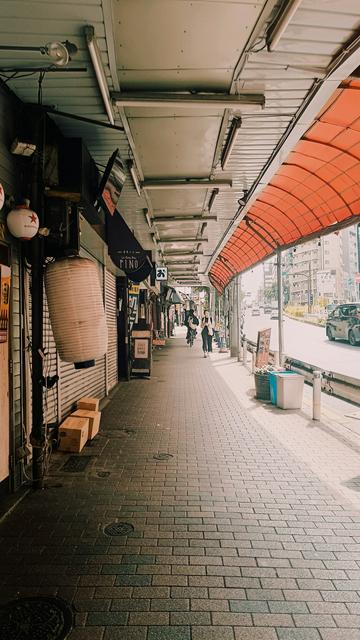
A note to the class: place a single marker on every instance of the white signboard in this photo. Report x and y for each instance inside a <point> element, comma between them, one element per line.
<point>161,273</point>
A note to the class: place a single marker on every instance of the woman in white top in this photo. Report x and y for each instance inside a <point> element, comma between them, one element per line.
<point>207,331</point>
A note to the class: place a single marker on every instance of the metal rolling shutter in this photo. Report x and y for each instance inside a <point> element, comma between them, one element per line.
<point>75,383</point>
<point>111,319</point>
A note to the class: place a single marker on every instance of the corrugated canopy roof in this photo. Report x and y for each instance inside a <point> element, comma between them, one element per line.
<point>317,187</point>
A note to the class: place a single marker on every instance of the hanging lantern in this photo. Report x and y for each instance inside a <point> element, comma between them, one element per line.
<point>76,310</point>
<point>22,222</point>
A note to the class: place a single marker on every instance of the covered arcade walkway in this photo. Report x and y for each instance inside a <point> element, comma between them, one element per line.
<point>235,538</point>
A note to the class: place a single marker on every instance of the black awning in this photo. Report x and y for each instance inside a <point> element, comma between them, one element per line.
<point>124,250</point>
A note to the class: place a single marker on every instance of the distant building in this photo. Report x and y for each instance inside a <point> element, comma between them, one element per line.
<point>351,263</point>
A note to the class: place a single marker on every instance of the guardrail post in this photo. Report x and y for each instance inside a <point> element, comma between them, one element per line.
<point>316,395</point>
<point>244,351</point>
<point>253,359</point>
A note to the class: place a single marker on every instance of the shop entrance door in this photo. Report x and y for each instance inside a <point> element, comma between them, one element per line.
<point>4,367</point>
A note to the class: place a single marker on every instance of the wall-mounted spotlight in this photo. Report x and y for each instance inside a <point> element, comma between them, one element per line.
<point>242,201</point>
<point>230,142</point>
<point>135,179</point>
<point>59,52</point>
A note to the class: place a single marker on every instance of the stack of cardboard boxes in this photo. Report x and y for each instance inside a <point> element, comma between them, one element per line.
<point>81,426</point>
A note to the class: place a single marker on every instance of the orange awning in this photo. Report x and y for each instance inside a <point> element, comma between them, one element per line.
<point>316,188</point>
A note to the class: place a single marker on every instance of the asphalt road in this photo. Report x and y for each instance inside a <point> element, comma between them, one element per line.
<point>308,343</point>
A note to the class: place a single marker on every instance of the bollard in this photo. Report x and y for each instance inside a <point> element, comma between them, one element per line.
<point>316,395</point>
<point>253,360</point>
<point>240,353</point>
<point>244,351</point>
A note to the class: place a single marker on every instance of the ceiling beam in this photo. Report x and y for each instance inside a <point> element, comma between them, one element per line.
<point>183,252</point>
<point>180,240</point>
<point>162,184</point>
<point>163,100</point>
<point>193,218</point>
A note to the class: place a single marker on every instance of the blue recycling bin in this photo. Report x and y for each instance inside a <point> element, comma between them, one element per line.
<point>273,383</point>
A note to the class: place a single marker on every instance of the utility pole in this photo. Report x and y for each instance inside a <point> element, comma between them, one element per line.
<point>38,436</point>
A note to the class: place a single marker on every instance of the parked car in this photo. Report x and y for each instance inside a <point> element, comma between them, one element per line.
<point>344,323</point>
<point>274,314</point>
<point>267,309</point>
<point>255,311</point>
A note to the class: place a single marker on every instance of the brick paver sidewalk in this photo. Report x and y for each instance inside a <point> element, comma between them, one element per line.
<point>234,539</point>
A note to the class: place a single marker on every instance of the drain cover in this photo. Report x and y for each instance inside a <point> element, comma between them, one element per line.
<point>35,618</point>
<point>76,464</point>
<point>163,456</point>
<point>118,529</point>
<point>103,474</point>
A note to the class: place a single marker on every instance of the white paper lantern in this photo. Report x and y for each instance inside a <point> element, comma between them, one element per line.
<point>76,310</point>
<point>22,222</point>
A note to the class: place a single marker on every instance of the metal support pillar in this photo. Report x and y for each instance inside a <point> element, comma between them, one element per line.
<point>234,320</point>
<point>238,316</point>
<point>280,307</point>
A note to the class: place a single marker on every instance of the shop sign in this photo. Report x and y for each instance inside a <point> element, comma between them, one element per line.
<point>263,348</point>
<point>5,277</point>
<point>134,289</point>
<point>161,273</point>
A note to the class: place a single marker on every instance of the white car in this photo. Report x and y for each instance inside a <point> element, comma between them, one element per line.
<point>274,315</point>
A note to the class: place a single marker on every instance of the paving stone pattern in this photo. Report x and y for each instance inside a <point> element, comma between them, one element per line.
<point>234,539</point>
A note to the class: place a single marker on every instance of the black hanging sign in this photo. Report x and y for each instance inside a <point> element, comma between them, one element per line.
<point>124,250</point>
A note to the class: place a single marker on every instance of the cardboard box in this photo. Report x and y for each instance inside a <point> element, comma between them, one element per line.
<point>73,434</point>
<point>94,420</point>
<point>90,404</point>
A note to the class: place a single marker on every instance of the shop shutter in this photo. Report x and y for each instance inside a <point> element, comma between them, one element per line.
<point>75,383</point>
<point>111,319</point>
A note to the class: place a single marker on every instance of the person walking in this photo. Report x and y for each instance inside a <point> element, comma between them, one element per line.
<point>207,332</point>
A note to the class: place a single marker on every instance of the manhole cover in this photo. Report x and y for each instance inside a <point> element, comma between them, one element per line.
<point>32,618</point>
<point>76,464</point>
<point>118,529</point>
<point>103,474</point>
<point>163,456</point>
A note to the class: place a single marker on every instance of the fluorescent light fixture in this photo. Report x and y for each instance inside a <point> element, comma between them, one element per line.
<point>246,101</point>
<point>212,198</point>
<point>230,142</point>
<point>132,171</point>
<point>147,218</point>
<point>96,60</point>
<point>162,185</point>
<point>275,32</point>
<point>183,252</point>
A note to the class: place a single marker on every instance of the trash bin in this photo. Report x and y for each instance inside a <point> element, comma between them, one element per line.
<point>289,391</point>
<point>262,386</point>
<point>273,383</point>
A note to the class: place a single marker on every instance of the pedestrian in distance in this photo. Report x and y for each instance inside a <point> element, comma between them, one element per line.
<point>207,332</point>
<point>192,323</point>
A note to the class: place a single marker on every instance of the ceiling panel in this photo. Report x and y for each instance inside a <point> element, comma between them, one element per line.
<point>176,147</point>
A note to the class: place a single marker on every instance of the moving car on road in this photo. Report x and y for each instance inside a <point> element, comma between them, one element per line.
<point>255,311</point>
<point>267,309</point>
<point>274,314</point>
<point>344,323</point>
